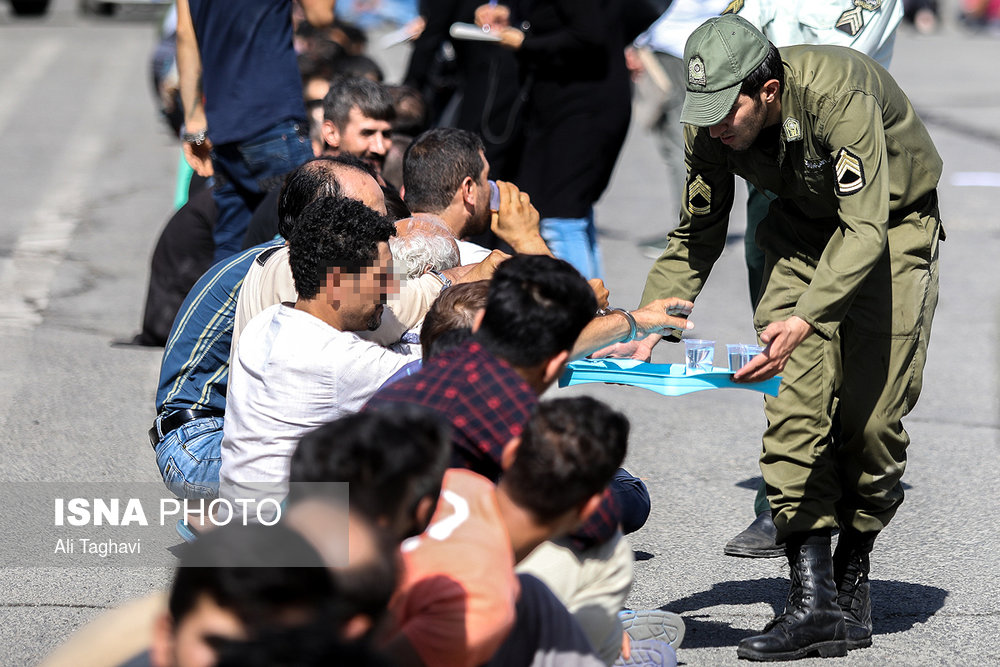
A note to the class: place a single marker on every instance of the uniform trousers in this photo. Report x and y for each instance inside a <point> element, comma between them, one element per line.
<point>834,449</point>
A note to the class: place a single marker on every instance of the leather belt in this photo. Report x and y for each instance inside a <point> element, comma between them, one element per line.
<point>173,421</point>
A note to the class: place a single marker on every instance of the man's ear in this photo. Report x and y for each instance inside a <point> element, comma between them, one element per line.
<point>161,649</point>
<point>331,134</point>
<point>554,367</point>
<point>477,319</point>
<point>509,453</point>
<point>468,190</point>
<point>771,90</point>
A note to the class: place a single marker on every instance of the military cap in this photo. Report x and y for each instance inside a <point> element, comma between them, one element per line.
<point>719,54</point>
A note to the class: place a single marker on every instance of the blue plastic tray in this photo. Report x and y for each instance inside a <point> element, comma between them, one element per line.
<point>666,379</point>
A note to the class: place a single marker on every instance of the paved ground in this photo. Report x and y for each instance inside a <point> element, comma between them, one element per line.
<point>86,183</point>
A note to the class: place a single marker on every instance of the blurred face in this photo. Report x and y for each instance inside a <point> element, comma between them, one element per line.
<point>363,137</point>
<point>190,643</point>
<point>363,295</point>
<point>740,128</point>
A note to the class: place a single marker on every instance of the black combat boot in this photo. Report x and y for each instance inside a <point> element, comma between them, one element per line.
<point>812,622</point>
<point>851,566</point>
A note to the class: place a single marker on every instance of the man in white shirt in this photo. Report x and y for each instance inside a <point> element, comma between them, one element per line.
<point>300,365</point>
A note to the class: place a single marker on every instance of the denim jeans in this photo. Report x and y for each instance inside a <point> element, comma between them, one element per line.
<point>189,458</point>
<point>574,240</point>
<point>633,499</point>
<point>246,172</point>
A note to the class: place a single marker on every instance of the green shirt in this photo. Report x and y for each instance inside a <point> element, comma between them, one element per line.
<point>848,161</point>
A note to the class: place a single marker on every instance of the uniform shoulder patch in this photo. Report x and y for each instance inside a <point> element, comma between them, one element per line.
<point>792,129</point>
<point>734,7</point>
<point>696,72</point>
<point>699,194</point>
<point>850,172</point>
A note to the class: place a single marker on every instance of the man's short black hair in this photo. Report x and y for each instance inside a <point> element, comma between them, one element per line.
<point>257,572</point>
<point>569,451</point>
<point>769,68</point>
<point>371,98</point>
<point>387,457</point>
<point>311,180</point>
<point>536,308</point>
<point>436,163</point>
<point>334,233</point>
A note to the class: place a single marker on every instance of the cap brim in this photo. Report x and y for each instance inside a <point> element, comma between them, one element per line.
<point>704,109</point>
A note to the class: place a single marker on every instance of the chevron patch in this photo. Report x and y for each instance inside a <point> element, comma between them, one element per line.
<point>699,196</point>
<point>734,7</point>
<point>850,173</point>
<point>851,22</point>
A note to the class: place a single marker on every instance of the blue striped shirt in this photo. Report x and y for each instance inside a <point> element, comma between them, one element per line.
<point>194,372</point>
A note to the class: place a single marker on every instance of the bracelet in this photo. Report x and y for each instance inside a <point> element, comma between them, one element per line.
<point>196,138</point>
<point>445,283</point>
<point>633,328</point>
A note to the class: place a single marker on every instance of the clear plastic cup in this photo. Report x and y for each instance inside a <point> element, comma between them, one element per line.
<point>736,352</point>
<point>751,351</point>
<point>699,355</point>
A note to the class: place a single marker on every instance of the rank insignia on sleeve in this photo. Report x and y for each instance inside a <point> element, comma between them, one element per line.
<point>699,196</point>
<point>851,22</point>
<point>734,7</point>
<point>850,172</point>
<point>792,128</point>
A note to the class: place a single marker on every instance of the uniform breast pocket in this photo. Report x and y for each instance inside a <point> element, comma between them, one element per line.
<point>817,173</point>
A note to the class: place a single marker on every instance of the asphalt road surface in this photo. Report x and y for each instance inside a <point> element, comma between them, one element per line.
<point>86,182</point>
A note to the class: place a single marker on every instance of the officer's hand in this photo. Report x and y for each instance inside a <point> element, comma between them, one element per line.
<point>780,338</point>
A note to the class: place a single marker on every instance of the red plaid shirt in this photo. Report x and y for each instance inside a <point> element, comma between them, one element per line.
<point>488,404</point>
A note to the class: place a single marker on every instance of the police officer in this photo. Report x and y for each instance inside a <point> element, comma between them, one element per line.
<point>850,288</point>
<point>868,26</point>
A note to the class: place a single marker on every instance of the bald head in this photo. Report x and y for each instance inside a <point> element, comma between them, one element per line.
<point>327,177</point>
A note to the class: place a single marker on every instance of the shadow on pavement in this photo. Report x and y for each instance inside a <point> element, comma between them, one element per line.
<point>897,607</point>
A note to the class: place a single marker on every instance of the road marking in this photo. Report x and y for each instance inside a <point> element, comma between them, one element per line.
<point>26,277</point>
<point>19,83</point>
<point>971,179</point>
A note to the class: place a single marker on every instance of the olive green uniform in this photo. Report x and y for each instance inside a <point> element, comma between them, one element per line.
<point>852,248</point>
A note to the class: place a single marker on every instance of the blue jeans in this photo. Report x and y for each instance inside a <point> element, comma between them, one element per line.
<point>633,499</point>
<point>574,240</point>
<point>189,458</point>
<point>246,171</point>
